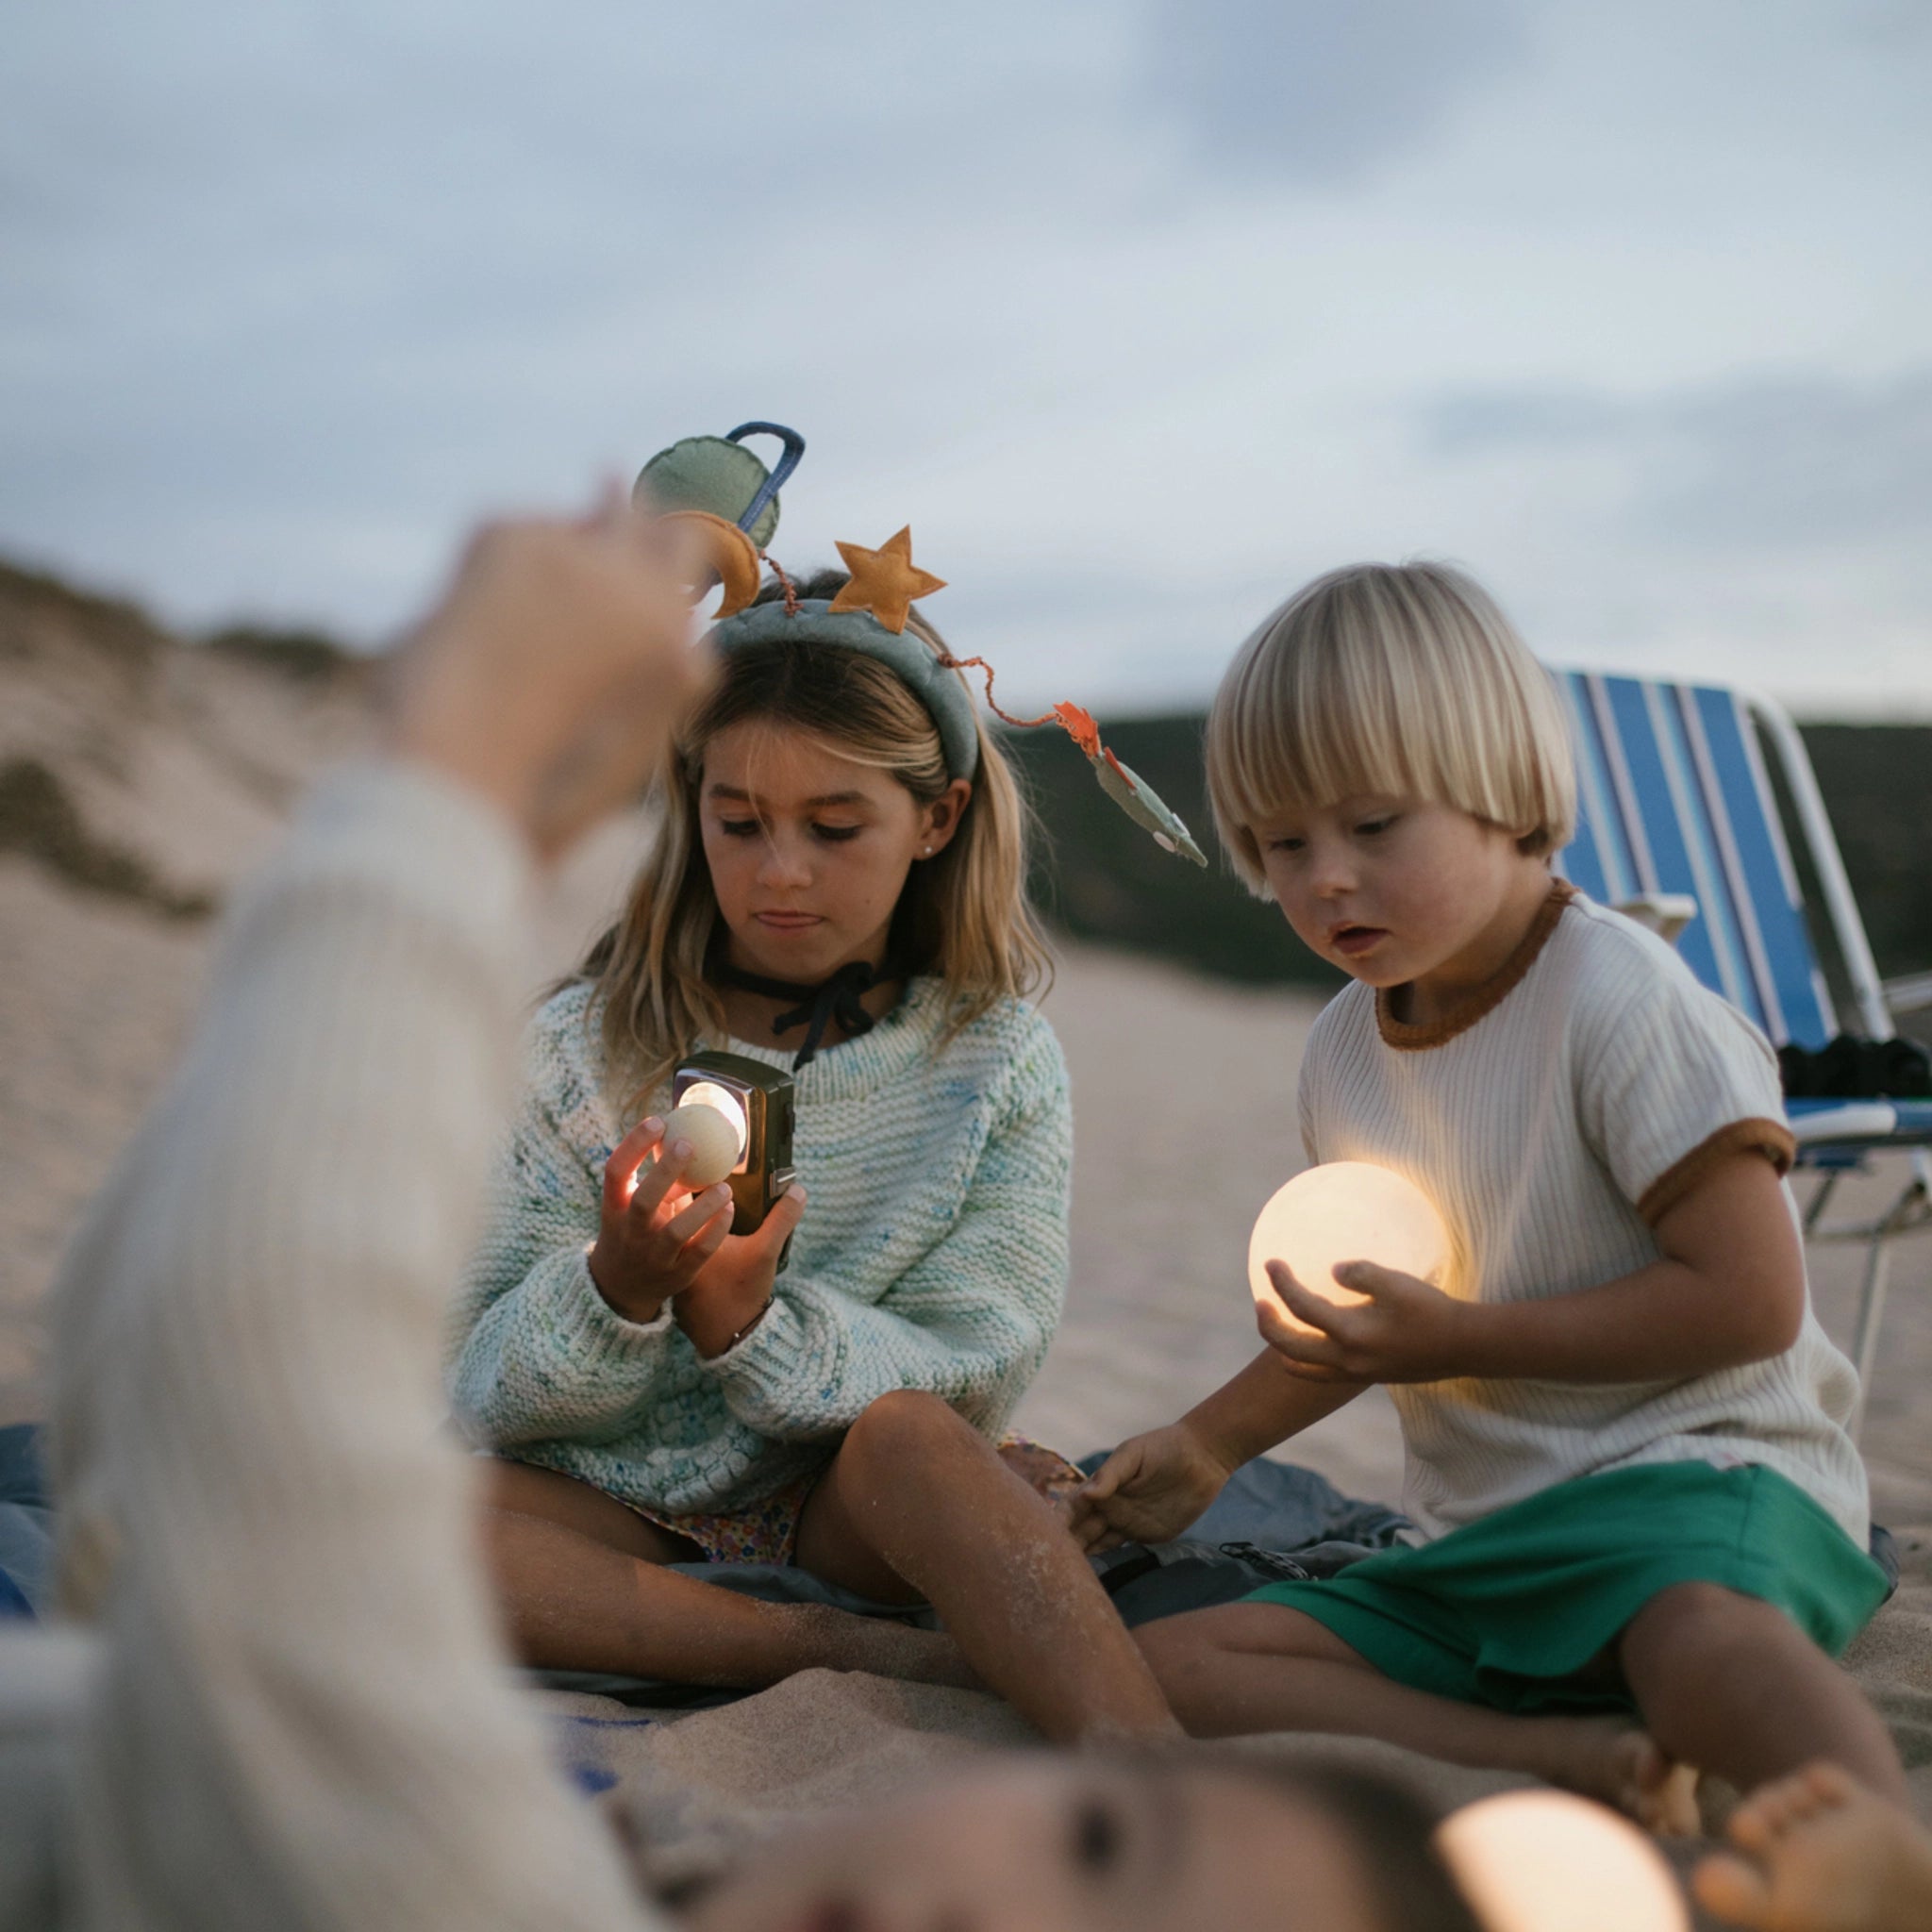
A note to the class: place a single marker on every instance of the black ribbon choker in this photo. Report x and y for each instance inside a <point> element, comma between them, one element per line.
<point>839,998</point>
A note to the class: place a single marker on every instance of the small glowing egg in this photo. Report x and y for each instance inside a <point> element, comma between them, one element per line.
<point>1345,1211</point>
<point>715,1142</point>
<point>1546,1861</point>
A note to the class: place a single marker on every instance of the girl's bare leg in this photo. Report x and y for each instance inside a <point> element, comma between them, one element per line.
<point>918,1504</point>
<point>580,1580</point>
<point>1822,1855</point>
<point>1698,1658</point>
<point>1264,1666</point>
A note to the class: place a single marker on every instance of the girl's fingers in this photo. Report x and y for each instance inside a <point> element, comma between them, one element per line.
<point>696,1215</point>
<point>626,1158</point>
<point>709,1238</point>
<point>786,1212</point>
<point>666,1171</point>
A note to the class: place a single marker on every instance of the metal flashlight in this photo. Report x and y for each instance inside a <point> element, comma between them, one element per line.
<point>757,1101</point>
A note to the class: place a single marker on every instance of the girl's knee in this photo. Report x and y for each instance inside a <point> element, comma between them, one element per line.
<point>906,1422</point>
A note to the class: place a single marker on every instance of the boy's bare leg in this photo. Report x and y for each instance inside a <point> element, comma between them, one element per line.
<point>1823,1854</point>
<point>1244,1668</point>
<point>1698,1658</point>
<point>580,1581</point>
<point>918,1504</point>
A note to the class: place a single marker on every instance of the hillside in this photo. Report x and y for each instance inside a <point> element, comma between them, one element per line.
<point>1106,882</point>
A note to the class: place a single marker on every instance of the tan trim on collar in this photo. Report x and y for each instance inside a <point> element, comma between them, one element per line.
<point>1772,1139</point>
<point>1483,999</point>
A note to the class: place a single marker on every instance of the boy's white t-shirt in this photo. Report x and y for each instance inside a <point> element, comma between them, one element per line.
<point>1554,1118</point>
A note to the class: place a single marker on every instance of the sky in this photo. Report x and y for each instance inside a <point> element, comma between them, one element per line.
<point>1141,314</point>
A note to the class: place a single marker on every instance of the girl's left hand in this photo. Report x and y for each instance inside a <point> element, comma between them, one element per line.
<point>734,1287</point>
<point>1406,1331</point>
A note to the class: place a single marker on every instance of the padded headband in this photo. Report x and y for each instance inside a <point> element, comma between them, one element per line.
<point>942,691</point>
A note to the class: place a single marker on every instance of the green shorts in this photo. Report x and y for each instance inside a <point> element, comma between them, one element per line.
<point>1509,1610</point>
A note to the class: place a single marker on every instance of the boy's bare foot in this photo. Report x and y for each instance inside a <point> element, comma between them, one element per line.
<point>1824,1854</point>
<point>1617,1763</point>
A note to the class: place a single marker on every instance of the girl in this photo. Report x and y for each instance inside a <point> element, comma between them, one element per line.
<point>842,855</point>
<point>1624,1427</point>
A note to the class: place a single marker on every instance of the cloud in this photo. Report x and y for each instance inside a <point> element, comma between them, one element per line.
<point>1319,90</point>
<point>1767,462</point>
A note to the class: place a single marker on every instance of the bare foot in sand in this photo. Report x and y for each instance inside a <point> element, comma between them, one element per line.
<point>1617,1763</point>
<point>1823,1855</point>
<point>883,1648</point>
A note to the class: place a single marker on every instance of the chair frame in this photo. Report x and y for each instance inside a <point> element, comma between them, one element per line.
<point>1834,1137</point>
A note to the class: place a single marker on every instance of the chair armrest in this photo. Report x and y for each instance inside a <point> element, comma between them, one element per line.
<point>1910,994</point>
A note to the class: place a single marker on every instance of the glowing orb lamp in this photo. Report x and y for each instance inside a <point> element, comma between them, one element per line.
<point>1546,1861</point>
<point>1345,1211</point>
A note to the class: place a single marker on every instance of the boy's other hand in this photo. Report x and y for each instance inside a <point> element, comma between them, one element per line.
<point>553,671</point>
<point>1147,1491</point>
<point>1406,1331</point>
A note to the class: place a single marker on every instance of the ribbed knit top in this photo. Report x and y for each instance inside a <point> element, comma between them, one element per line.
<point>933,1255</point>
<point>297,1709</point>
<point>1553,1119</point>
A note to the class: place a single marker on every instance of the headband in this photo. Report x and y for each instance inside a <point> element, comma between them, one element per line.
<point>725,494</point>
<point>813,620</point>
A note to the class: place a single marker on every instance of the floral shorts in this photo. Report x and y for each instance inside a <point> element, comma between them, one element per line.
<point>767,1531</point>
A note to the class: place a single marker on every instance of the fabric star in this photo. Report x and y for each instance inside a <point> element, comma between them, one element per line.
<point>885,581</point>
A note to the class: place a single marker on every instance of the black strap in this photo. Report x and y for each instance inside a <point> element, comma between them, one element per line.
<point>840,998</point>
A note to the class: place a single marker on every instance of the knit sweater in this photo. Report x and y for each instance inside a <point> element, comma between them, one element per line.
<point>1554,1118</point>
<point>293,1706</point>
<point>932,1255</point>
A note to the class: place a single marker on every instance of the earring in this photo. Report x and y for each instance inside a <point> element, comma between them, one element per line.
<point>925,852</point>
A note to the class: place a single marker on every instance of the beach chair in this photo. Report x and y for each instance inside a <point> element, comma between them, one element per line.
<point>1679,827</point>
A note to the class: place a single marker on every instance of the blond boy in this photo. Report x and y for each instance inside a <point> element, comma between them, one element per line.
<point>1624,1428</point>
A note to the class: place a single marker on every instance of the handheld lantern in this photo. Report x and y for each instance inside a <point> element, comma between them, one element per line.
<point>754,1102</point>
<point>1345,1211</point>
<point>1546,1861</point>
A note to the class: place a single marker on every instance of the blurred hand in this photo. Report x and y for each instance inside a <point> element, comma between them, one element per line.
<point>550,676</point>
<point>1407,1331</point>
<point>653,1233</point>
<point>1148,1491</point>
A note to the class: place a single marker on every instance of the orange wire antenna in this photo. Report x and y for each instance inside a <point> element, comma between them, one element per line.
<point>953,664</point>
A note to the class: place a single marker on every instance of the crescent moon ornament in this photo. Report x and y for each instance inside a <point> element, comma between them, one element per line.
<point>729,554</point>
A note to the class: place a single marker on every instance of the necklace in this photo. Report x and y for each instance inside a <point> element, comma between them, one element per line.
<point>839,998</point>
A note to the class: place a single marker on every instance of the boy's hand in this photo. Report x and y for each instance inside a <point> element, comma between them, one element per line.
<point>1406,1331</point>
<point>1148,1491</point>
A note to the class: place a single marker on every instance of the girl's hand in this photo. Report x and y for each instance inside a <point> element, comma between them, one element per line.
<point>654,1234</point>
<point>1148,1491</point>
<point>1407,1331</point>
<point>733,1286</point>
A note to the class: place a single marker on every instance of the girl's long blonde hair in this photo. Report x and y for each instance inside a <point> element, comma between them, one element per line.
<point>963,915</point>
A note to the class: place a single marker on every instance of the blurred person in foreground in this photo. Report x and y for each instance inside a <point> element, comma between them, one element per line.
<point>279,1695</point>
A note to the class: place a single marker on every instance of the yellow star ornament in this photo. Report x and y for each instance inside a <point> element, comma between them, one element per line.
<point>885,581</point>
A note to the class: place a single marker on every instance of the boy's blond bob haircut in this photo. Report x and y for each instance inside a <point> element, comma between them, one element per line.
<point>1398,681</point>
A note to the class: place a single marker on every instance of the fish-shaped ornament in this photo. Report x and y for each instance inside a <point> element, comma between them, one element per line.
<point>1128,789</point>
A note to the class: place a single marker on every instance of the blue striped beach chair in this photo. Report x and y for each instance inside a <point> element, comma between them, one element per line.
<point>1678,826</point>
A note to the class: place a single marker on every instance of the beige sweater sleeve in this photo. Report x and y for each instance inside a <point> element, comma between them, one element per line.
<point>303,1717</point>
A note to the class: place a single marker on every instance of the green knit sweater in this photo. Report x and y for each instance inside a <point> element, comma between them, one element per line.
<point>933,1255</point>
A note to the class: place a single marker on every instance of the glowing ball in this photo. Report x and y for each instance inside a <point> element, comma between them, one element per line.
<point>716,1140</point>
<point>1345,1211</point>
<point>1546,1861</point>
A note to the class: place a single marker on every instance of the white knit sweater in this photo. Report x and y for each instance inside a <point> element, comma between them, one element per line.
<point>295,1710</point>
<point>1554,1118</point>
<point>932,1255</point>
